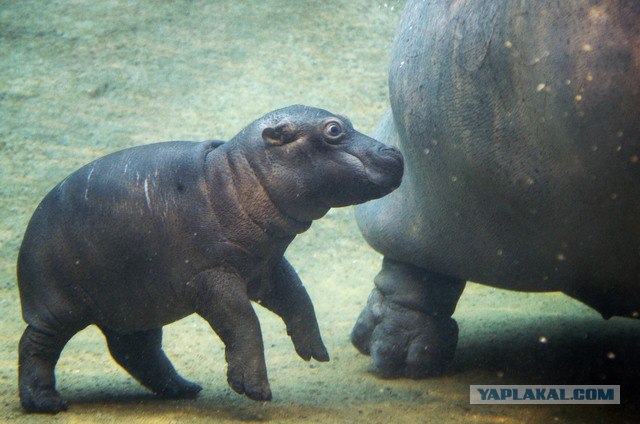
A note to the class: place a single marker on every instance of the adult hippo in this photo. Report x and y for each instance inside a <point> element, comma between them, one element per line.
<point>520,127</point>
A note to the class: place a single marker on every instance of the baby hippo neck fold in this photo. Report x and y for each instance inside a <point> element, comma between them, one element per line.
<point>234,176</point>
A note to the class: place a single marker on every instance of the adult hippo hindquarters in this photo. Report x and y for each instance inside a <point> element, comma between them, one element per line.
<point>148,235</point>
<point>518,122</point>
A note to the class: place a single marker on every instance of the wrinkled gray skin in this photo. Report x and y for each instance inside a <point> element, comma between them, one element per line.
<point>146,236</point>
<point>519,122</point>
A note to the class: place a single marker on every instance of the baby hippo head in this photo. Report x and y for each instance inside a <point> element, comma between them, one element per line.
<point>310,160</point>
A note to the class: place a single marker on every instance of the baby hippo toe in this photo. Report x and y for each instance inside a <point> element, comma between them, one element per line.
<point>180,389</point>
<point>46,401</point>
<point>255,388</point>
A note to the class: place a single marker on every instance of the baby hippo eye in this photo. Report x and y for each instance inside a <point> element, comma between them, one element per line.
<point>333,130</point>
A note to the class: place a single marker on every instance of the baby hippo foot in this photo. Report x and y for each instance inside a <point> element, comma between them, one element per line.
<point>305,335</point>
<point>44,400</point>
<point>242,381</point>
<point>141,354</point>
<point>309,345</point>
<point>288,298</point>
<point>406,325</point>
<point>179,388</point>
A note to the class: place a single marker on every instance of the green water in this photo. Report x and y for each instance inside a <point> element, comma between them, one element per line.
<point>79,79</point>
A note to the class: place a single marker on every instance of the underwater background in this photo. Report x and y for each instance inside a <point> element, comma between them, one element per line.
<point>79,79</point>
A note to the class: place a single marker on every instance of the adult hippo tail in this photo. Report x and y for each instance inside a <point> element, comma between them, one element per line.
<point>518,122</point>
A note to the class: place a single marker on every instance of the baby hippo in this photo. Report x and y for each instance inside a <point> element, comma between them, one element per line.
<point>148,235</point>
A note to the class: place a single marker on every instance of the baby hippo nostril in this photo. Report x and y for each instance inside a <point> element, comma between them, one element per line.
<point>386,168</point>
<point>397,156</point>
<point>392,151</point>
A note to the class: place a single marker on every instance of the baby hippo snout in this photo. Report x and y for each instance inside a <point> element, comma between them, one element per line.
<point>386,167</point>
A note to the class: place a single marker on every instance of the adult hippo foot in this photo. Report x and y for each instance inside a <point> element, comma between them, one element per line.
<point>44,401</point>
<point>406,325</point>
<point>403,342</point>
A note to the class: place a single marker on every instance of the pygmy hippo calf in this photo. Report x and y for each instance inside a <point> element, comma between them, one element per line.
<point>148,235</point>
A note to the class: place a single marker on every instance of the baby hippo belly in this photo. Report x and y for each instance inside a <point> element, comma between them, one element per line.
<point>134,296</point>
<point>139,306</point>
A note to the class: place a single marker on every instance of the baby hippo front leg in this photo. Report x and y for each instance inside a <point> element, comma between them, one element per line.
<point>285,295</point>
<point>220,297</point>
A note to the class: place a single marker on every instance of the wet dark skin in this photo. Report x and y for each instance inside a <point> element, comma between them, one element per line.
<point>146,236</point>
<point>518,122</point>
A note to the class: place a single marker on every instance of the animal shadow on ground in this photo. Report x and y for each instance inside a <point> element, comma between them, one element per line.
<point>562,350</point>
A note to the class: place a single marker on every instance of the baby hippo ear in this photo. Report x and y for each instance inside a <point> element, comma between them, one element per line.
<point>279,134</point>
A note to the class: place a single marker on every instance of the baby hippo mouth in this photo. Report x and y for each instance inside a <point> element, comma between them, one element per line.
<point>385,168</point>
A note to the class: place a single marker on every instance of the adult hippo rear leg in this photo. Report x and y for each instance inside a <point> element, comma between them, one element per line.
<point>406,325</point>
<point>142,356</point>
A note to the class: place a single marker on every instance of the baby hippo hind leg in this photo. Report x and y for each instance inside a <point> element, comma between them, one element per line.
<point>39,351</point>
<point>141,355</point>
<point>406,325</point>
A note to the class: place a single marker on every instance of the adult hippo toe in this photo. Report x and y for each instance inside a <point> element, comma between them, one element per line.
<point>519,126</point>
